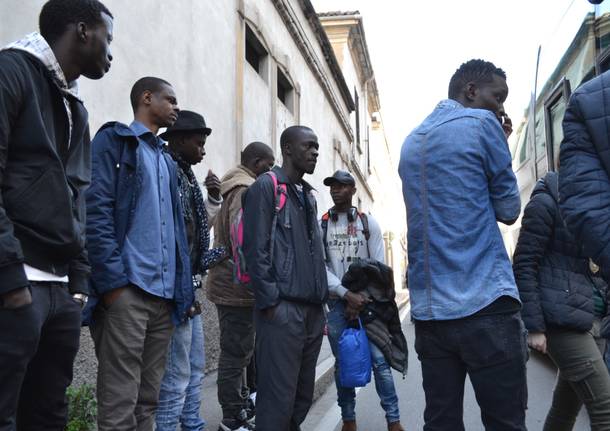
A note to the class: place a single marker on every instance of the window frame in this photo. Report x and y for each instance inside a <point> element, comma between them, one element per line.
<point>254,43</point>
<point>561,91</point>
<point>601,58</point>
<point>286,95</point>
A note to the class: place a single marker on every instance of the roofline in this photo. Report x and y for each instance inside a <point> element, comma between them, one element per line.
<point>327,50</point>
<point>362,52</point>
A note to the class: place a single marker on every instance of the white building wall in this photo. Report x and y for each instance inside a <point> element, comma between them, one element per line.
<point>191,46</point>
<point>194,45</point>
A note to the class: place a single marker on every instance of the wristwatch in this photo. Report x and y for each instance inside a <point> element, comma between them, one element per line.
<point>81,297</point>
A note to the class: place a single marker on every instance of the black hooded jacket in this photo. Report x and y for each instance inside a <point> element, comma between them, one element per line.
<point>380,317</point>
<point>552,273</point>
<point>43,175</point>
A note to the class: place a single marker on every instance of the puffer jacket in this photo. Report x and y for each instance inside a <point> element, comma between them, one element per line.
<point>380,317</point>
<point>584,174</point>
<point>220,286</point>
<point>552,272</point>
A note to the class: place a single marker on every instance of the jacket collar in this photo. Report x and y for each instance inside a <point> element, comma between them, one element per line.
<point>239,176</point>
<point>283,178</point>
<point>449,104</point>
<point>37,46</point>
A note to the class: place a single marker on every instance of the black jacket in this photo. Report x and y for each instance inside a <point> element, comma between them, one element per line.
<point>380,317</point>
<point>551,270</point>
<point>296,271</point>
<point>42,207</point>
<point>584,174</point>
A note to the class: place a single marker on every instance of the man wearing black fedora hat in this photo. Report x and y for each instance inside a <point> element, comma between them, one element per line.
<point>180,396</point>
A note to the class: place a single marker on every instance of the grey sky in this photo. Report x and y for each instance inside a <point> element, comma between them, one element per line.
<point>417,45</point>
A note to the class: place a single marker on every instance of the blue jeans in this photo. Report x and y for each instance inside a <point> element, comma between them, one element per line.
<point>180,396</point>
<point>384,382</point>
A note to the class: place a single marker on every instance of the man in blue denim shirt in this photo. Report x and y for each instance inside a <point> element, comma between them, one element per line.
<point>457,183</point>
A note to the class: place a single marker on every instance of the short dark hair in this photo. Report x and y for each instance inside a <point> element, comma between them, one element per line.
<point>57,15</point>
<point>150,83</point>
<point>473,71</point>
<point>290,133</point>
<point>255,150</point>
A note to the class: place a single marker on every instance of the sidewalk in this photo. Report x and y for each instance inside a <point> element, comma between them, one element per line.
<point>210,409</point>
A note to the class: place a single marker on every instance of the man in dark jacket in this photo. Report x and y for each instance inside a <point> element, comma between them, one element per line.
<point>235,301</point>
<point>44,171</point>
<point>284,254</point>
<point>139,256</point>
<point>584,173</point>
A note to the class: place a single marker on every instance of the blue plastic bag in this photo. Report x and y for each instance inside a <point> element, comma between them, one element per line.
<point>354,357</point>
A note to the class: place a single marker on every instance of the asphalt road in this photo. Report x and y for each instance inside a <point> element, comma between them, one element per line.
<point>325,415</point>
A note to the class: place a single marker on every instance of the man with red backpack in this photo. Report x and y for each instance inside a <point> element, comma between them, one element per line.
<point>284,254</point>
<point>350,236</point>
<point>234,300</point>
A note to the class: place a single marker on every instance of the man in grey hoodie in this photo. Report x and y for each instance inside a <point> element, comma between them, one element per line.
<point>235,302</point>
<point>350,236</point>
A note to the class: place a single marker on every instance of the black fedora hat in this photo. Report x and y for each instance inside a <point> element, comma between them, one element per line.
<point>188,121</point>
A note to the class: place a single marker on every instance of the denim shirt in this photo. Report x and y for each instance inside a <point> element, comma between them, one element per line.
<point>116,184</point>
<point>457,182</point>
<point>149,252</point>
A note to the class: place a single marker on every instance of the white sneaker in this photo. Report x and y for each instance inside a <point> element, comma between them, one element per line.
<point>234,425</point>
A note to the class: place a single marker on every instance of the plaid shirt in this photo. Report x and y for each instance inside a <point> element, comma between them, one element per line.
<point>37,46</point>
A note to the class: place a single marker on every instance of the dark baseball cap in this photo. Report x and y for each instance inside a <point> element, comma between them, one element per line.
<point>341,177</point>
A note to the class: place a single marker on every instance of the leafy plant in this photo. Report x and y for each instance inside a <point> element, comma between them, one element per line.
<point>82,408</point>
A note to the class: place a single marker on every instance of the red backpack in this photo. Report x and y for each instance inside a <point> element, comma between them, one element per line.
<point>240,271</point>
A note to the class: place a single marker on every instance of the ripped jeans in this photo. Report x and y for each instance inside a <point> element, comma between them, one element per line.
<point>583,379</point>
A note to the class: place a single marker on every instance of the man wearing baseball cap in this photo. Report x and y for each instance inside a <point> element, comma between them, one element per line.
<point>349,236</point>
<point>180,396</point>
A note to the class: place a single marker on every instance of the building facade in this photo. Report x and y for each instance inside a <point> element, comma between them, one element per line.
<point>252,68</point>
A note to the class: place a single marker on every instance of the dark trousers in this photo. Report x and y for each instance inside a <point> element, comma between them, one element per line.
<point>492,350</point>
<point>236,350</point>
<point>38,344</point>
<point>583,379</point>
<point>287,349</point>
<point>251,374</point>
<point>131,341</point>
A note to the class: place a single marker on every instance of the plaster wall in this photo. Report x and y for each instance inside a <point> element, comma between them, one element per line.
<point>198,45</point>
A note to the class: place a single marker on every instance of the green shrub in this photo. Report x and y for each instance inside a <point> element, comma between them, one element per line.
<point>82,408</point>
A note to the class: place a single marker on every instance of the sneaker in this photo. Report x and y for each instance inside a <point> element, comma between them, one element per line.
<point>234,425</point>
<point>251,409</point>
<point>395,426</point>
<point>251,417</point>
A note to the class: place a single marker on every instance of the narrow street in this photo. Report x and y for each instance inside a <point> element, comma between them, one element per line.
<point>325,415</point>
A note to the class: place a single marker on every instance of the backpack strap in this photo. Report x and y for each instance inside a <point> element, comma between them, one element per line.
<point>365,229</point>
<point>280,193</point>
<point>365,225</point>
<point>324,226</point>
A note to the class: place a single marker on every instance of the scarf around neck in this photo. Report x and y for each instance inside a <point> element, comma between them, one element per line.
<point>187,182</point>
